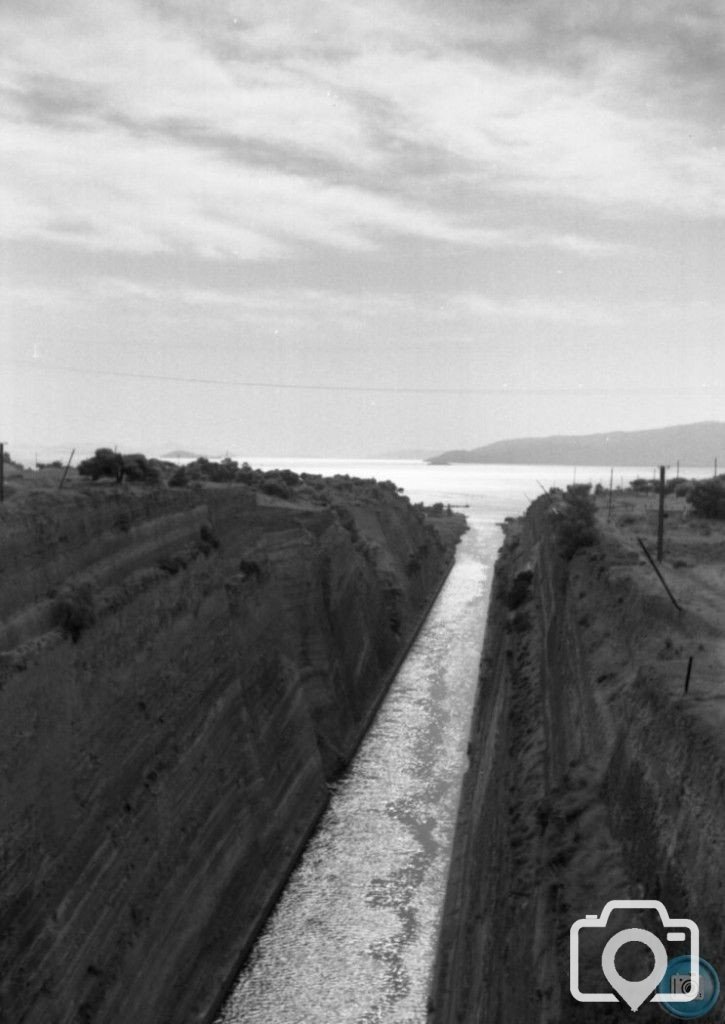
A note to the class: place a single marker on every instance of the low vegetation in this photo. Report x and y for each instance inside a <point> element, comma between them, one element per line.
<point>707,497</point>
<point>73,610</point>
<point>576,524</point>
<point>135,467</point>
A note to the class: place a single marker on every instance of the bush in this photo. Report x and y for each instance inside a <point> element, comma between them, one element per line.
<point>73,610</point>
<point>179,478</point>
<point>577,523</point>
<point>208,540</point>
<point>245,474</point>
<point>641,485</point>
<point>104,463</point>
<point>708,498</point>
<point>135,467</point>
<point>138,469</point>
<point>520,588</point>
<point>275,487</point>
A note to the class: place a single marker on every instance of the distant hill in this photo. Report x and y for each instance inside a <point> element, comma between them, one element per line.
<point>179,453</point>
<point>692,444</point>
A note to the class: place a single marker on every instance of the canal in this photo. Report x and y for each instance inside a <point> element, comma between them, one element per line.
<point>352,939</point>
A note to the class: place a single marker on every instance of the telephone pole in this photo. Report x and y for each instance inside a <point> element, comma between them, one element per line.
<point>661,516</point>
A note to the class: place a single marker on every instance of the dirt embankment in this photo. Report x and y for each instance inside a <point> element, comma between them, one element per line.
<point>592,775</point>
<point>181,674</point>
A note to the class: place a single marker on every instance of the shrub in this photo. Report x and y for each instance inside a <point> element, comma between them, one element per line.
<point>708,498</point>
<point>208,540</point>
<point>576,525</point>
<point>275,487</point>
<point>115,465</point>
<point>520,589</point>
<point>172,564</point>
<point>138,469</point>
<point>245,474</point>
<point>641,485</point>
<point>73,610</point>
<point>104,463</point>
<point>179,478</point>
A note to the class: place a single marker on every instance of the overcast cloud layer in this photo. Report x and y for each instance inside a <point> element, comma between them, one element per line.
<point>520,199</point>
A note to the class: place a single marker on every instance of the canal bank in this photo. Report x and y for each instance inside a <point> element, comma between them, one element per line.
<point>596,773</point>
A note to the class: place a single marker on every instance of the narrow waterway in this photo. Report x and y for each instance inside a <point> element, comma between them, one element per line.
<point>353,937</point>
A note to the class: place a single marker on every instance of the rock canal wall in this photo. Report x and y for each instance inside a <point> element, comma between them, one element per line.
<point>591,777</point>
<point>181,674</point>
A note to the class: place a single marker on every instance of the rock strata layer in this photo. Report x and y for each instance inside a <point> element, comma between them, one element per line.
<point>181,674</point>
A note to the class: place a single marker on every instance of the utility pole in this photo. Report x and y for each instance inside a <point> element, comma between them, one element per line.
<point>661,516</point>
<point>611,482</point>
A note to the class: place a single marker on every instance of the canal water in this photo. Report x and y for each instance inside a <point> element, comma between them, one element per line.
<point>353,936</point>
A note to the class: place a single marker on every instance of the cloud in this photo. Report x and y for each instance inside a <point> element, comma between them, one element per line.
<point>312,307</point>
<point>561,311</point>
<point>236,131</point>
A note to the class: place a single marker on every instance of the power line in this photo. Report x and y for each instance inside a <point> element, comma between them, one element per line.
<point>270,385</point>
<point>362,388</point>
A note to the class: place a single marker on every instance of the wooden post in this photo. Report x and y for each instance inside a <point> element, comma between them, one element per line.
<point>611,483</point>
<point>687,677</point>
<point>65,471</point>
<point>661,517</point>
<point>2,471</point>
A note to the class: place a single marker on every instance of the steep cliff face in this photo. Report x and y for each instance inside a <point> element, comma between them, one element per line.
<point>592,776</point>
<point>181,673</point>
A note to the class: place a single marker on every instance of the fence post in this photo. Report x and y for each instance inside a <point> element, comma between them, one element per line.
<point>661,516</point>
<point>65,471</point>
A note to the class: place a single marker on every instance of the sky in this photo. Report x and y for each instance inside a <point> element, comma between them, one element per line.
<point>347,229</point>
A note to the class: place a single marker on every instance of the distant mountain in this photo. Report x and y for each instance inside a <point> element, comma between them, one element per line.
<point>179,453</point>
<point>692,444</point>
